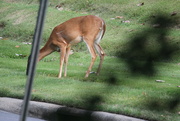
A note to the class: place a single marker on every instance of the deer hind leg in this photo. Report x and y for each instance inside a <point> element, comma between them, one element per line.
<point>93,56</point>
<point>66,60</point>
<point>101,55</point>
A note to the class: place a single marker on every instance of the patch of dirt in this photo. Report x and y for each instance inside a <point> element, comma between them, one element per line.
<point>11,1</point>
<point>4,9</point>
<point>15,14</point>
<point>19,16</point>
<point>21,19</point>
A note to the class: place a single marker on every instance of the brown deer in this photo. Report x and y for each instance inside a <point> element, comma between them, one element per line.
<point>89,29</point>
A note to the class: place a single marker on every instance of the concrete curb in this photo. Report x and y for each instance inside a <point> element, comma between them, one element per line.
<point>53,112</point>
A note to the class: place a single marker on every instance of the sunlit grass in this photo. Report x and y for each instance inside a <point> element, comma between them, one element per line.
<point>116,89</point>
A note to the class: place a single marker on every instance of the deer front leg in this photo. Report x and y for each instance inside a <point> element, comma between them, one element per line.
<point>62,56</point>
<point>66,60</point>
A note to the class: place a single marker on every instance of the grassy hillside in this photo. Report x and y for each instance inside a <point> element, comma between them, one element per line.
<point>18,18</point>
<point>140,74</point>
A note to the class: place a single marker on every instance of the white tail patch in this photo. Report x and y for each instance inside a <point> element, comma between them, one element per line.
<point>100,34</point>
<point>98,39</point>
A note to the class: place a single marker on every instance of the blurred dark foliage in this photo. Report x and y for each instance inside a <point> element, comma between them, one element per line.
<point>142,51</point>
<point>170,105</point>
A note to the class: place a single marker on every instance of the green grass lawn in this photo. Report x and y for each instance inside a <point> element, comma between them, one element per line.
<point>137,55</point>
<point>114,90</point>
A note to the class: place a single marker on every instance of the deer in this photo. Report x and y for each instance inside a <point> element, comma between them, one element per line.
<point>89,29</point>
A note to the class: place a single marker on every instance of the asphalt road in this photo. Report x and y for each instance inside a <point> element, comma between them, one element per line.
<point>6,116</point>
